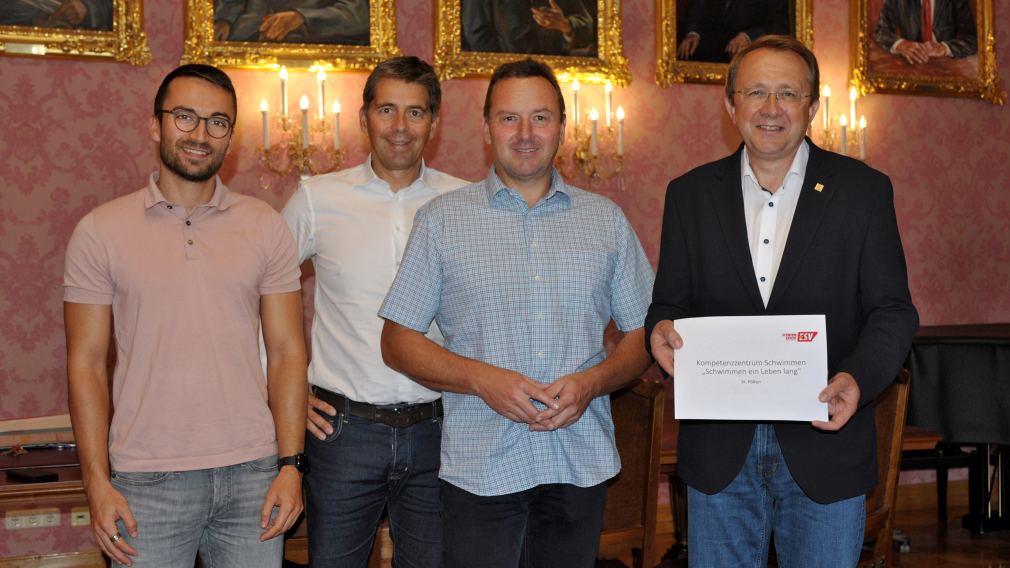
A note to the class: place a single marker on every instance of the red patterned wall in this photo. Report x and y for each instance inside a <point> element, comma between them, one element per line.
<point>74,135</point>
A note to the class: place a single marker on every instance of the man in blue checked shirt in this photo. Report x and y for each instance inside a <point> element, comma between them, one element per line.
<point>522,273</point>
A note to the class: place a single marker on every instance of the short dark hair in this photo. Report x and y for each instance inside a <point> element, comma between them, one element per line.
<point>408,69</point>
<point>208,73</point>
<point>520,70</point>
<point>777,43</point>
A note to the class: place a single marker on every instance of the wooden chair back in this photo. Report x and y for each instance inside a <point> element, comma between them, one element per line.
<point>629,520</point>
<point>889,410</point>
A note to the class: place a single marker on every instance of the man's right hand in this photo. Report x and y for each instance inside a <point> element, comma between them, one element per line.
<point>511,394</point>
<point>316,424</point>
<point>688,46</point>
<point>913,52</point>
<point>108,506</point>
<point>70,13</point>
<point>222,29</point>
<point>663,341</point>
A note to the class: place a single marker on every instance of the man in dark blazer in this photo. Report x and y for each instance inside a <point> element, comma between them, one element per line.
<point>716,29</point>
<point>782,227</point>
<point>951,29</point>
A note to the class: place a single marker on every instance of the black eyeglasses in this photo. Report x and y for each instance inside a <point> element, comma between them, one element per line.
<point>187,121</point>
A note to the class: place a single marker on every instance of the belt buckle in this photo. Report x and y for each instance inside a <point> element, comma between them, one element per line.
<point>397,416</point>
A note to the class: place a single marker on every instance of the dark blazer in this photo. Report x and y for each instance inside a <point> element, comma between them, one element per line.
<point>953,24</point>
<point>718,21</point>
<point>843,258</point>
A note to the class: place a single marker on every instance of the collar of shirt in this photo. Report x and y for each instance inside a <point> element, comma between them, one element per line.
<point>793,179</point>
<point>221,200</point>
<point>372,181</point>
<point>500,196</point>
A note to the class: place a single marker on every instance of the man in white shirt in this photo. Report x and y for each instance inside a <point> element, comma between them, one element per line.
<point>374,434</point>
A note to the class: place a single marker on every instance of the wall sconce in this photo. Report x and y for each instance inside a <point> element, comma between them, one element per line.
<point>591,151</point>
<point>308,148</point>
<point>849,136</point>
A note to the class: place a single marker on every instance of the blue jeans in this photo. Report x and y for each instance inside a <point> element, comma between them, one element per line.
<point>361,468</point>
<point>733,527</point>
<point>215,512</point>
<point>548,526</point>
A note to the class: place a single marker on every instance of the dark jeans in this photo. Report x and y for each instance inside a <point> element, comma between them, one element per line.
<point>548,526</point>
<point>358,470</point>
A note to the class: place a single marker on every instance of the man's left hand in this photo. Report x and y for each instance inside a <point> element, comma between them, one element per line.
<point>842,396</point>
<point>69,13</point>
<point>935,49</point>
<point>552,18</point>
<point>285,493</point>
<point>574,393</point>
<point>276,27</point>
<point>738,42</point>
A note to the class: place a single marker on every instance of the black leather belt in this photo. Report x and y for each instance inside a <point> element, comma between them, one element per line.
<point>395,415</point>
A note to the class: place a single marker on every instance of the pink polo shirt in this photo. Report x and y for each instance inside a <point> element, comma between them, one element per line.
<point>188,390</point>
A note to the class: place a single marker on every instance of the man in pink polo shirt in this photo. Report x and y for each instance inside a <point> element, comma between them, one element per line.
<point>182,458</point>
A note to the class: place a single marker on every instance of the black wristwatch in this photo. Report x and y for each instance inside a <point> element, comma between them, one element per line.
<point>300,461</point>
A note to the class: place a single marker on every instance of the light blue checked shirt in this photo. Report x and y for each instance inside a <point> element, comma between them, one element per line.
<point>526,289</point>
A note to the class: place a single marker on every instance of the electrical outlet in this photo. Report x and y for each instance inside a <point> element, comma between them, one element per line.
<point>31,519</point>
<point>80,517</point>
<point>14,521</point>
<point>51,518</point>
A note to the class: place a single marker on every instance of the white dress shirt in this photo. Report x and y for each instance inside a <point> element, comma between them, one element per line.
<point>769,216</point>
<point>354,228</point>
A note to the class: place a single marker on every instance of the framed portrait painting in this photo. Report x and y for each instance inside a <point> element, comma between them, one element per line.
<point>89,28</point>
<point>695,39</point>
<point>577,38</point>
<point>933,47</point>
<point>340,34</point>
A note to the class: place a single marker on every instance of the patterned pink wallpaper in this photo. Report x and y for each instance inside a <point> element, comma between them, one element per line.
<point>74,135</point>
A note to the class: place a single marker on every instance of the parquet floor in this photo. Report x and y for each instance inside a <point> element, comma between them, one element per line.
<point>949,545</point>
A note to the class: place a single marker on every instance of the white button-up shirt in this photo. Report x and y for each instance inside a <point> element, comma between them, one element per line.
<point>354,228</point>
<point>769,216</point>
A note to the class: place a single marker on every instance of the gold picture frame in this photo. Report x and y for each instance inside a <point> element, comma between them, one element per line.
<point>201,46</point>
<point>607,64</point>
<point>119,34</point>
<point>876,69</point>
<point>670,70</point>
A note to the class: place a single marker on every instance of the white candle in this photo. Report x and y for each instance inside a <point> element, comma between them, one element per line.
<point>594,116</point>
<point>862,138</point>
<point>284,91</point>
<point>843,122</point>
<point>265,111</point>
<point>852,106</point>
<point>620,131</point>
<point>336,125</point>
<point>608,89</point>
<point>826,113</point>
<point>303,103</point>
<point>575,102</point>
<point>321,82</point>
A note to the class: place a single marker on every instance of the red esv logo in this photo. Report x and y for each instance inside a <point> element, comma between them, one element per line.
<point>800,336</point>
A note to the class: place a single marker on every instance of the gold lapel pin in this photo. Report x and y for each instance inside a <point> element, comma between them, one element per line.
<point>819,187</point>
